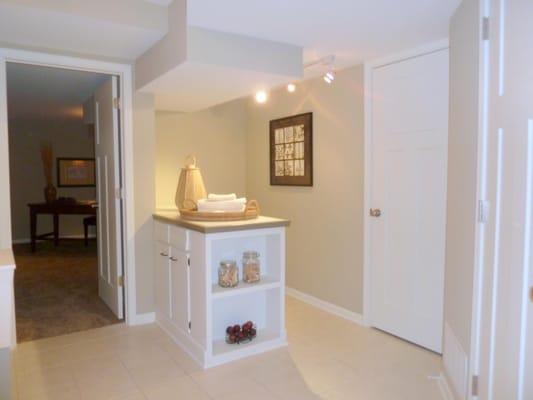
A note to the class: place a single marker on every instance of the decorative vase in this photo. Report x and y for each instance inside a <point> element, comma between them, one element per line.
<point>50,193</point>
<point>190,187</point>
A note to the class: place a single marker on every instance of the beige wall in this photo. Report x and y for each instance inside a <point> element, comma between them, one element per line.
<point>69,138</point>
<point>144,198</point>
<point>216,136</point>
<point>462,170</point>
<point>325,239</point>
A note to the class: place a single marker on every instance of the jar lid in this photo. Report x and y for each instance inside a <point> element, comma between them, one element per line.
<point>250,254</point>
<point>228,263</point>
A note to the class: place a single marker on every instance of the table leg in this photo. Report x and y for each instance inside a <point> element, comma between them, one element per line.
<point>33,229</point>
<point>56,229</point>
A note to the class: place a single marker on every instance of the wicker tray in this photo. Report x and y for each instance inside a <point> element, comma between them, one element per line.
<point>250,212</point>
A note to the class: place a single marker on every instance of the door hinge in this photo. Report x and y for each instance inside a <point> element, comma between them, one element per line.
<point>483,210</point>
<point>120,281</point>
<point>486,28</point>
<point>119,193</point>
<point>116,103</point>
<point>475,385</point>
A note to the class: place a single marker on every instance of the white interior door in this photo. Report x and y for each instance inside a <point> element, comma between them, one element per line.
<point>108,186</point>
<point>408,187</point>
<point>506,364</point>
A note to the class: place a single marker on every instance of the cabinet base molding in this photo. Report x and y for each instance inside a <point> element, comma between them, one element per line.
<point>183,340</point>
<point>266,341</point>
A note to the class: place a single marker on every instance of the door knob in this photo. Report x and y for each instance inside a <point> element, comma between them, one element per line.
<point>375,212</point>
<point>531,294</point>
<point>173,259</point>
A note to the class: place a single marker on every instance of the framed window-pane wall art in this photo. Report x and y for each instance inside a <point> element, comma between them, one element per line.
<point>291,151</point>
<point>75,172</point>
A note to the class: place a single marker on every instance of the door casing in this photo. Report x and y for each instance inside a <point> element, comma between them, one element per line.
<point>368,71</point>
<point>124,72</point>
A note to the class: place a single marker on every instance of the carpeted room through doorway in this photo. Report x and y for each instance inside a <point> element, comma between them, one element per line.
<point>56,290</point>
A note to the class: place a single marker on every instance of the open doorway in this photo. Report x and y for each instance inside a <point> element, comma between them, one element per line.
<point>66,205</point>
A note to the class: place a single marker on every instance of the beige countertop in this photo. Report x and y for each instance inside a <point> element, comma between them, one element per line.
<point>173,217</point>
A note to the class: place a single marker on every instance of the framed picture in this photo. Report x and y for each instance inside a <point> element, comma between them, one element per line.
<point>291,150</point>
<point>76,172</point>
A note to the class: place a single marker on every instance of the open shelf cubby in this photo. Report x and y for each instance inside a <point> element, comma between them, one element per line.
<point>266,282</point>
<point>262,307</point>
<point>232,248</point>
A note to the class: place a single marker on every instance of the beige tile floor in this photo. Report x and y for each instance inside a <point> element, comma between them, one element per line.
<point>327,358</point>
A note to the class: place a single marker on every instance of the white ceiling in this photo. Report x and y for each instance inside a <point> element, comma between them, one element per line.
<point>36,92</point>
<point>354,30</point>
<point>122,30</point>
<point>196,86</point>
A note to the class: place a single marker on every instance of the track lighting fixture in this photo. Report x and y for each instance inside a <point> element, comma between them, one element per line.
<point>291,87</point>
<point>327,61</point>
<point>329,76</point>
<point>261,96</point>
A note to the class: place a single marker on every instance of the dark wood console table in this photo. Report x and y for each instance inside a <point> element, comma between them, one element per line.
<point>56,209</point>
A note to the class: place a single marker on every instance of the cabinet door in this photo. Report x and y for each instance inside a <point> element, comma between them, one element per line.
<point>179,272</point>
<point>162,279</point>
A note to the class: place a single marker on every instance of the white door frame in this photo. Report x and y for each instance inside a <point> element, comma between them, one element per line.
<point>368,72</point>
<point>481,193</point>
<point>124,71</point>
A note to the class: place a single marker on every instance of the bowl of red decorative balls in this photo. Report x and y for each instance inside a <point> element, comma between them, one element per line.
<point>241,334</point>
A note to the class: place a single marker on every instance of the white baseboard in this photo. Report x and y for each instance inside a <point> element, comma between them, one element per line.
<point>444,387</point>
<point>143,319</point>
<point>27,240</point>
<point>325,306</point>
<point>455,363</point>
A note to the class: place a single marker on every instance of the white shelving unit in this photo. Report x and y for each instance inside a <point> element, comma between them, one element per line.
<point>266,282</point>
<point>194,310</point>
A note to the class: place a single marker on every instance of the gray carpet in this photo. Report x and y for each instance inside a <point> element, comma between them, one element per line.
<point>56,290</point>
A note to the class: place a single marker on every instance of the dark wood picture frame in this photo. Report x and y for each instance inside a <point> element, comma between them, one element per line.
<point>291,150</point>
<point>62,180</point>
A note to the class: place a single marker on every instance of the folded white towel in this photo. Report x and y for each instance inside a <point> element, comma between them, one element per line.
<point>237,205</point>
<point>221,197</point>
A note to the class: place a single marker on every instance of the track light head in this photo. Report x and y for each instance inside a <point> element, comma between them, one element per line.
<point>261,96</point>
<point>329,76</point>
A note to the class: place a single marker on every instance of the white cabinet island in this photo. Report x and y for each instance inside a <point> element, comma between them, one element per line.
<point>190,305</point>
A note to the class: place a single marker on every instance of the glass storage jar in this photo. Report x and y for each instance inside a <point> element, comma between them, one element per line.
<point>228,274</point>
<point>251,267</point>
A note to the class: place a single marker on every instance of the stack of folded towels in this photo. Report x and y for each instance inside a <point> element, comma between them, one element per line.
<point>222,203</point>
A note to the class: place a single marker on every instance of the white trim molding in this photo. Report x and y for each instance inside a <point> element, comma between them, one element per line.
<point>455,362</point>
<point>444,387</point>
<point>325,306</point>
<point>143,319</point>
<point>124,72</point>
<point>68,237</point>
<point>368,70</point>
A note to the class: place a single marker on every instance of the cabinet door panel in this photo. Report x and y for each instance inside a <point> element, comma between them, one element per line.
<point>179,272</point>
<point>162,279</point>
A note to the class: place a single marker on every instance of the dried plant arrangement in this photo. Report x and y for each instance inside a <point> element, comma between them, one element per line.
<point>47,157</point>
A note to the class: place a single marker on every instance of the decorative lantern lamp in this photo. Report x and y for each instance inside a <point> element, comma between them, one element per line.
<point>190,186</point>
